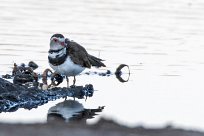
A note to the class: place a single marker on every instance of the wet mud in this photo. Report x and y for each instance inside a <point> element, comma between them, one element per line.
<point>102,128</point>
<point>14,96</point>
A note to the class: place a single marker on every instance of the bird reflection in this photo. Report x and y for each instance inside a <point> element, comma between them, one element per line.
<point>71,111</point>
<point>119,74</point>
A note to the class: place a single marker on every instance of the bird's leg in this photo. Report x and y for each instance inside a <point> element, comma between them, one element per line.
<point>67,81</point>
<point>67,85</point>
<point>74,81</point>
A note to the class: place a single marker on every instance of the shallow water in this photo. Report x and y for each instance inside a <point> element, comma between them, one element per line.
<point>161,41</point>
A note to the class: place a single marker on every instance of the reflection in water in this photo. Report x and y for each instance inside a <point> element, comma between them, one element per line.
<point>71,110</point>
<point>120,74</point>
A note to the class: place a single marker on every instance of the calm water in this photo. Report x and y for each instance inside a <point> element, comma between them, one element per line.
<point>161,41</point>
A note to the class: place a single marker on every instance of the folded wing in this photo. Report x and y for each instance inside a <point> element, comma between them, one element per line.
<point>80,56</point>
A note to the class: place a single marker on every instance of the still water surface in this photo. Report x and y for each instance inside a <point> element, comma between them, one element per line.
<point>161,41</point>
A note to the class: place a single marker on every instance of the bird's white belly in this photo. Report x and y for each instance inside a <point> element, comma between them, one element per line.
<point>68,68</point>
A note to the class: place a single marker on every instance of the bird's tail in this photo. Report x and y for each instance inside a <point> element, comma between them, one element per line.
<point>97,62</point>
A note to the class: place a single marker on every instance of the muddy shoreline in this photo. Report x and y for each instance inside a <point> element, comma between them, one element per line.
<point>103,127</point>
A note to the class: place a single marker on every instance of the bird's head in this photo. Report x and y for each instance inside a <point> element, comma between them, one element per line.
<point>57,42</point>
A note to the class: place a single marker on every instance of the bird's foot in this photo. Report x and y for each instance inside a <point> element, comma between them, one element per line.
<point>65,98</point>
<point>72,86</point>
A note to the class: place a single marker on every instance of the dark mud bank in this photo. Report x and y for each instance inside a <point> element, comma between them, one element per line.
<point>102,128</point>
<point>14,96</point>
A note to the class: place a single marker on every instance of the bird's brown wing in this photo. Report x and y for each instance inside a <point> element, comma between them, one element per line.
<point>97,62</point>
<point>78,54</point>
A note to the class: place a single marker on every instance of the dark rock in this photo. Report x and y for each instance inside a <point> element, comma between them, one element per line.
<point>33,65</point>
<point>14,96</point>
<point>23,74</point>
<point>22,64</point>
<point>56,79</point>
<point>7,76</point>
<point>87,73</point>
<point>22,78</point>
<point>108,72</point>
<point>102,74</point>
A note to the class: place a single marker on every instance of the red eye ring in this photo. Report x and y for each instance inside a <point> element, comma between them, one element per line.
<point>62,43</point>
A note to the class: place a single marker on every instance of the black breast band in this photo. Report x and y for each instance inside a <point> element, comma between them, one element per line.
<point>58,60</point>
<point>55,51</point>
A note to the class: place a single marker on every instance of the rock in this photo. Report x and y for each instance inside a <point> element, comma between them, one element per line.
<point>22,78</point>
<point>14,96</point>
<point>7,76</point>
<point>33,65</point>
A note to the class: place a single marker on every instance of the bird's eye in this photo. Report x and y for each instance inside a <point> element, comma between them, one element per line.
<point>55,40</point>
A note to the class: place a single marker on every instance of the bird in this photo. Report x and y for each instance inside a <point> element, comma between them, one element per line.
<point>69,58</point>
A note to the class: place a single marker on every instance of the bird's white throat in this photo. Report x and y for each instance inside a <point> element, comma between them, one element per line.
<point>57,54</point>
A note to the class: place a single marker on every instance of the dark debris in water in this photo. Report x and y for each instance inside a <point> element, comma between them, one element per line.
<point>107,73</point>
<point>14,96</point>
<point>7,76</point>
<point>27,92</point>
<point>33,65</point>
<point>23,74</point>
<point>118,73</point>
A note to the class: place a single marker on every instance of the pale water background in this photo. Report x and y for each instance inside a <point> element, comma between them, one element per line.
<point>161,40</point>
